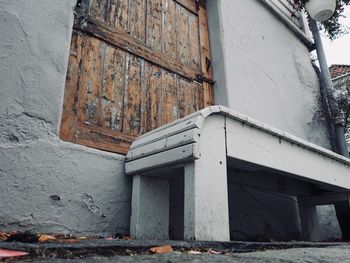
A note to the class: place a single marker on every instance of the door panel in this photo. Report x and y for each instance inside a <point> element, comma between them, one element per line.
<point>134,65</point>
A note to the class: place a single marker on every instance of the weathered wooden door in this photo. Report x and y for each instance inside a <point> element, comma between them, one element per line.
<point>134,65</point>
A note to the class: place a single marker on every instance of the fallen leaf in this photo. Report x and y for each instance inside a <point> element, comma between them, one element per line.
<point>214,252</point>
<point>194,252</point>
<point>45,238</point>
<point>3,236</point>
<point>126,238</point>
<point>161,249</point>
<point>4,253</point>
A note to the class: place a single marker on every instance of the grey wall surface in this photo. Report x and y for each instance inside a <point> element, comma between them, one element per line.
<point>262,69</point>
<point>47,185</point>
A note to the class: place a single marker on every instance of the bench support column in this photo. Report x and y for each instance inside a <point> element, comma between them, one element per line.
<point>310,226</point>
<point>149,208</point>
<point>343,214</point>
<point>206,199</point>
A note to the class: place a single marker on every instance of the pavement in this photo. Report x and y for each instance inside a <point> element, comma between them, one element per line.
<point>106,251</point>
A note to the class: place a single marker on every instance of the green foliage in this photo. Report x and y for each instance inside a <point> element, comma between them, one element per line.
<point>332,27</point>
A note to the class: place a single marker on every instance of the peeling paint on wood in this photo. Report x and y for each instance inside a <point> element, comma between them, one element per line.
<point>131,70</point>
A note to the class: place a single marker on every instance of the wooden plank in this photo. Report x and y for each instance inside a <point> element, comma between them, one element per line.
<point>154,24</point>
<point>185,98</point>
<point>182,35</point>
<point>90,84</point>
<point>198,99</point>
<point>151,116</point>
<point>168,29</point>
<point>195,58</point>
<point>204,42</point>
<point>118,14</point>
<point>189,4</point>
<point>103,138</point>
<point>98,9</point>
<point>113,88</point>
<point>120,39</point>
<point>164,144</point>
<point>132,99</point>
<point>208,94</point>
<point>173,128</point>
<point>179,154</point>
<point>169,97</point>
<point>68,122</point>
<point>137,19</point>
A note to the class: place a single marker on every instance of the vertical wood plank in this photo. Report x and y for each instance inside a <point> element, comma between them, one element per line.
<point>118,15</point>
<point>198,100</point>
<point>205,54</point>
<point>68,122</point>
<point>98,9</point>
<point>204,42</point>
<point>169,97</point>
<point>182,35</point>
<point>154,24</point>
<point>132,98</point>
<point>168,29</point>
<point>195,60</point>
<point>151,117</point>
<point>137,19</point>
<point>90,84</point>
<point>208,95</point>
<point>113,89</point>
<point>185,98</point>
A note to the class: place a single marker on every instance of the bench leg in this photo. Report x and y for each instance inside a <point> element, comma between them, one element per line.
<point>206,198</point>
<point>309,221</point>
<point>343,214</point>
<point>149,208</point>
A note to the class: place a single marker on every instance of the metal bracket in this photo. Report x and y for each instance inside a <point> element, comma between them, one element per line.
<point>197,4</point>
<point>201,79</point>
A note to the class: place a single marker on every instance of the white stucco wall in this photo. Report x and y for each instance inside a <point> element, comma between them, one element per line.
<point>263,69</point>
<point>47,185</point>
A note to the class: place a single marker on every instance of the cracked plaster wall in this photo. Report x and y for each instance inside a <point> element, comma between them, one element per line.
<point>48,185</point>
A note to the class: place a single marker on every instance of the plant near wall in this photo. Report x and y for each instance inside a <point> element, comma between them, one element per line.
<point>343,97</point>
<point>332,27</point>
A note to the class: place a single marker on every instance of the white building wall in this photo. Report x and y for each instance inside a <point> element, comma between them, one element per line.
<point>47,185</point>
<point>262,68</point>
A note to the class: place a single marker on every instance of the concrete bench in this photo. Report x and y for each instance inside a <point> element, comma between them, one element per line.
<point>201,148</point>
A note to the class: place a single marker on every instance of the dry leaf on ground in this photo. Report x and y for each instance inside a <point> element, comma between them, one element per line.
<point>45,238</point>
<point>214,252</point>
<point>161,249</point>
<point>3,236</point>
<point>194,252</point>
<point>4,253</point>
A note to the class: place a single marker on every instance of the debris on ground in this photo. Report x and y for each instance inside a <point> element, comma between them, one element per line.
<point>194,252</point>
<point>161,250</point>
<point>3,236</point>
<point>45,238</point>
<point>23,237</point>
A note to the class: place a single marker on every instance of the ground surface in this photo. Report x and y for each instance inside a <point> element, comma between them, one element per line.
<point>106,251</point>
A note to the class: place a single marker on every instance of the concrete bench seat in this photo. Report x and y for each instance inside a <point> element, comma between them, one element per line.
<point>202,148</point>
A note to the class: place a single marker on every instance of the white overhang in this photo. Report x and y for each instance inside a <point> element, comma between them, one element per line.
<point>247,141</point>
